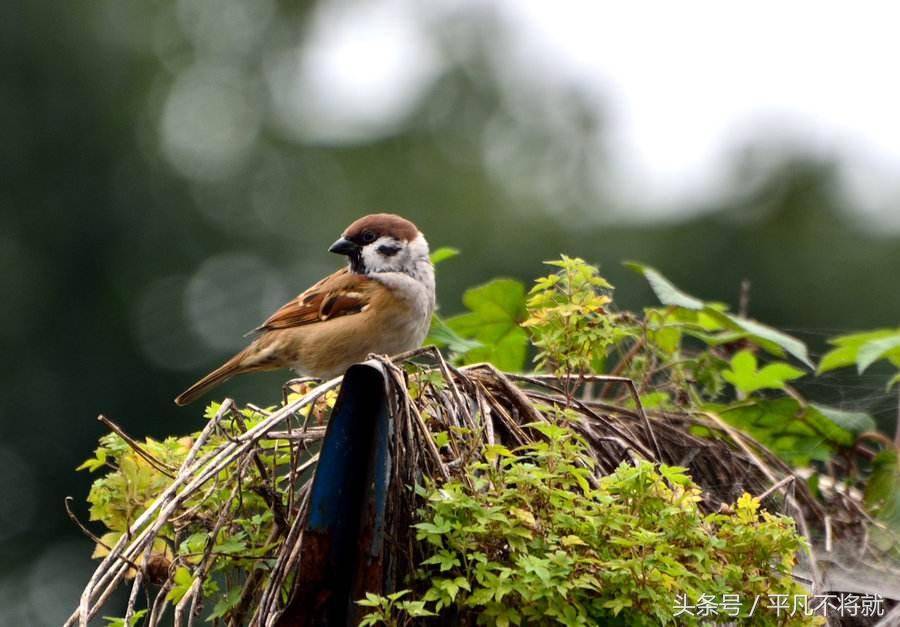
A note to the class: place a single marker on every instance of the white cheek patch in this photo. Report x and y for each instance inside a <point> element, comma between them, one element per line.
<point>376,261</point>
<point>418,248</point>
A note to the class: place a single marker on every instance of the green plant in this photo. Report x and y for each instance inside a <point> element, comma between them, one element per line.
<point>532,542</point>
<point>863,350</point>
<point>390,610</point>
<point>490,330</point>
<point>201,545</point>
<point>568,321</point>
<point>685,356</point>
<point>882,491</point>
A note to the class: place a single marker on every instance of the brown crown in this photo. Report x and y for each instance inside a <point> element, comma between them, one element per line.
<point>382,224</point>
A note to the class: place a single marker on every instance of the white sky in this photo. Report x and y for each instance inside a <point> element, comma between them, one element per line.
<point>683,83</point>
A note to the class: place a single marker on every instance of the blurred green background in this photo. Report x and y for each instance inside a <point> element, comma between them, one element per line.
<point>173,171</point>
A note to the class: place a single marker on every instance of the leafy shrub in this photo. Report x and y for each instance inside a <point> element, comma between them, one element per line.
<point>569,324</point>
<point>253,503</point>
<point>530,541</point>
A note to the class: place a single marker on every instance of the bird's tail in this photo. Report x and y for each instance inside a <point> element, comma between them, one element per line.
<point>221,374</point>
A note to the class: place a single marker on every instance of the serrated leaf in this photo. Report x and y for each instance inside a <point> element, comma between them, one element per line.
<point>183,580</point>
<point>96,462</point>
<point>745,377</point>
<point>398,595</point>
<point>496,309</point>
<point>225,604</point>
<point>416,609</point>
<point>571,540</point>
<point>194,543</point>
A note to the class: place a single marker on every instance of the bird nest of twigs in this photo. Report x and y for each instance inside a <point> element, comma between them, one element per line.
<point>490,407</point>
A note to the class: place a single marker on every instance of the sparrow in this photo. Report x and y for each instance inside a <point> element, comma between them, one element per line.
<point>381,302</point>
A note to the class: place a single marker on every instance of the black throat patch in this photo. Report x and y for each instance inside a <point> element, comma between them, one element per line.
<point>357,264</point>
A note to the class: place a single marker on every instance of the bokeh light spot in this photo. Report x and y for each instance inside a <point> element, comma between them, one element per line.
<point>210,122</point>
<point>363,69</point>
<point>225,27</point>
<point>229,295</point>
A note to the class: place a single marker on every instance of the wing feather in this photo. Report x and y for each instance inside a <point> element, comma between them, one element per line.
<point>342,294</point>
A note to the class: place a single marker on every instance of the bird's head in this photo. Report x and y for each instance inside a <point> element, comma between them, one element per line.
<point>382,242</point>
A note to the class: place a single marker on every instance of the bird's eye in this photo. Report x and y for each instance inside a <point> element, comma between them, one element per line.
<point>388,251</point>
<point>368,237</point>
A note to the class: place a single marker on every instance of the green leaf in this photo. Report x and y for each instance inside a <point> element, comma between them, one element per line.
<point>443,254</point>
<point>441,438</point>
<point>855,422</point>
<point>398,595</point>
<point>872,351</point>
<point>848,346</point>
<point>772,340</point>
<point>442,335</point>
<point>653,400</point>
<point>493,451</point>
<point>225,604</point>
<point>882,494</point>
<point>194,543</point>
<point>768,338</point>
<point>496,309</point>
<point>371,600</point>
<point>444,559</point>
<point>498,300</point>
<point>231,545</point>
<point>676,474</point>
<point>894,381</point>
<point>617,604</point>
<point>94,463</point>
<point>746,378</point>
<point>183,580</point>
<point>664,289</point>
<point>416,609</point>
<point>112,621</point>
<point>796,435</point>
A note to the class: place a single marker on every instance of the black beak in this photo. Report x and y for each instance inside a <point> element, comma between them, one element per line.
<point>343,247</point>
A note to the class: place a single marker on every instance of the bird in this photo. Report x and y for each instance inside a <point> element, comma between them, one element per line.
<point>381,302</point>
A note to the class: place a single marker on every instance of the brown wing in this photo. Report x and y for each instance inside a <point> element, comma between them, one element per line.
<point>341,294</point>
